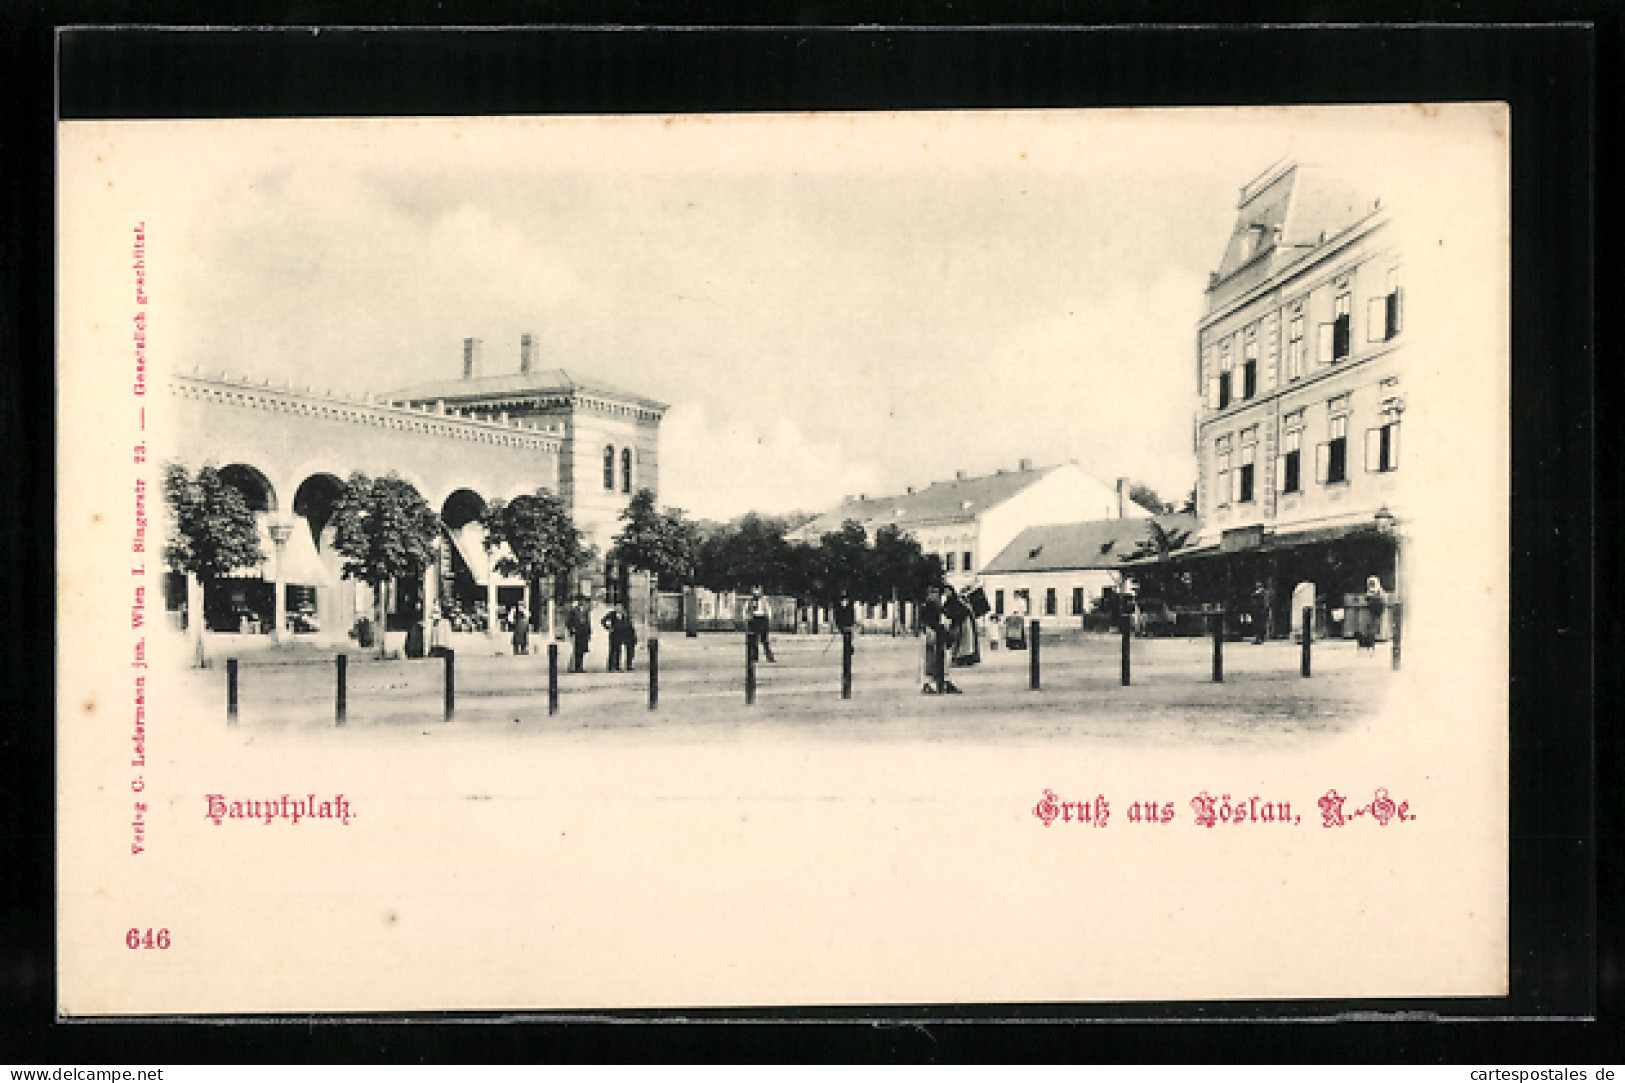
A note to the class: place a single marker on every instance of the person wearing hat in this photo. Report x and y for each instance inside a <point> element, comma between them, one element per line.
<point>578,623</point>
<point>623,637</point>
<point>521,628</point>
<point>760,614</point>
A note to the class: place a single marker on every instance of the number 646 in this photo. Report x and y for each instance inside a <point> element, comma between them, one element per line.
<point>135,938</point>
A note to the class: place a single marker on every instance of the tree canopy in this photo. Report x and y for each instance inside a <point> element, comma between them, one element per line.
<point>664,543</point>
<point>211,527</point>
<point>543,542</point>
<point>383,529</point>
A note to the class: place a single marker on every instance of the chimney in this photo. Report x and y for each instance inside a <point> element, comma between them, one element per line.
<point>471,358</point>
<point>527,352</point>
<point>1025,464</point>
<point>959,475</point>
<point>1122,496</point>
<point>911,490</point>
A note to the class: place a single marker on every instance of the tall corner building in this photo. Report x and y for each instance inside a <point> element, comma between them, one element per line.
<point>1300,368</point>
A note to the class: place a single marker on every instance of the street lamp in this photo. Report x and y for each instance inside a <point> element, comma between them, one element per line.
<point>280,533</point>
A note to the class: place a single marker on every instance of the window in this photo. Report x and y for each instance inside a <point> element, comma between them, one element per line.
<point>609,467</point>
<point>1218,392</point>
<point>626,470</point>
<point>1249,364</point>
<point>1382,311</point>
<point>1077,601</point>
<point>965,561</point>
<point>1221,470</point>
<point>1049,601</point>
<point>998,602</point>
<point>1382,448</point>
<point>1244,475</point>
<point>868,611</point>
<point>883,610</point>
<point>1287,471</point>
<point>948,562</point>
<point>1294,355</point>
<point>1340,327</point>
<point>1331,458</point>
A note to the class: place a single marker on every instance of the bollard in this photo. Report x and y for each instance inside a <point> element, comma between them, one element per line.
<point>1308,636</point>
<point>1218,647</point>
<point>1128,630</point>
<point>451,682</point>
<point>231,691</point>
<point>750,667</point>
<point>1032,658</point>
<point>1394,643</point>
<point>654,674</point>
<point>846,663</point>
<point>552,678</point>
<point>341,665</point>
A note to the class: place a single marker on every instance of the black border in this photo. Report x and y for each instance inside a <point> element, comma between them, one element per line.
<point>1549,74</point>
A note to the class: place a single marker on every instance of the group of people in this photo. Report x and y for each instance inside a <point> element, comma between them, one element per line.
<point>948,622</point>
<point>623,635</point>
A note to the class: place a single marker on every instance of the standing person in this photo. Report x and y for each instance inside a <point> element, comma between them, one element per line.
<point>846,617</point>
<point>760,614</point>
<point>1261,612</point>
<point>1375,602</point>
<point>962,629</point>
<point>579,624</point>
<point>521,629</point>
<point>623,637</point>
<point>936,644</point>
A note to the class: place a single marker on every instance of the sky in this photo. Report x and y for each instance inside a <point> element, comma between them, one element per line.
<point>830,304</point>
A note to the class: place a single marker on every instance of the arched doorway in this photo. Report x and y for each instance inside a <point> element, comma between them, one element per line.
<point>317,601</point>
<point>244,599</point>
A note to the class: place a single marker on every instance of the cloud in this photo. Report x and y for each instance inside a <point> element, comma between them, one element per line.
<point>717,469</point>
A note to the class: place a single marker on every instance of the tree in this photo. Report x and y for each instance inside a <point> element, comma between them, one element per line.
<point>902,567</point>
<point>846,563</point>
<point>385,531</point>
<point>1189,506</point>
<point>1145,496</point>
<point>665,544</point>
<point>211,530</point>
<point>543,542</point>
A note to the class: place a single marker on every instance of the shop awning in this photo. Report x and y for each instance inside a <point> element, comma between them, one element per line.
<point>469,541</point>
<point>301,563</point>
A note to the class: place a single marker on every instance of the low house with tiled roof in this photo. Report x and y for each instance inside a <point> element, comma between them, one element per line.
<point>1060,569</point>
<point>968,520</point>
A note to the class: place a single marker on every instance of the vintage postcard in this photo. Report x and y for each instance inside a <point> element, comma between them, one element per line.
<point>625,562</point>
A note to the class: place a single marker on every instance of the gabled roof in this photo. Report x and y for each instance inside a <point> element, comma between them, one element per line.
<point>1282,214</point>
<point>941,501</point>
<point>517,385</point>
<point>1094,545</point>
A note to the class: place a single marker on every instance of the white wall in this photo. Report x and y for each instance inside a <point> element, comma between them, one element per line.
<point>1065,495</point>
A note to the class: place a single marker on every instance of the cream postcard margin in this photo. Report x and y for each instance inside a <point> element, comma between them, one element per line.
<point>645,870</point>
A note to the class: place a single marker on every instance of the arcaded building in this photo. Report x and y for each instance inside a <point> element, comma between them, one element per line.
<point>462,443</point>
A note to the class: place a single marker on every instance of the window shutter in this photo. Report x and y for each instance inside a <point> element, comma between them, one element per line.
<point>1376,319</point>
<point>1396,305</point>
<point>1373,450</point>
<point>1235,486</point>
<point>1393,446</point>
<point>1213,393</point>
<point>1280,473</point>
<point>1221,491</point>
<point>1323,457</point>
<point>1323,345</point>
